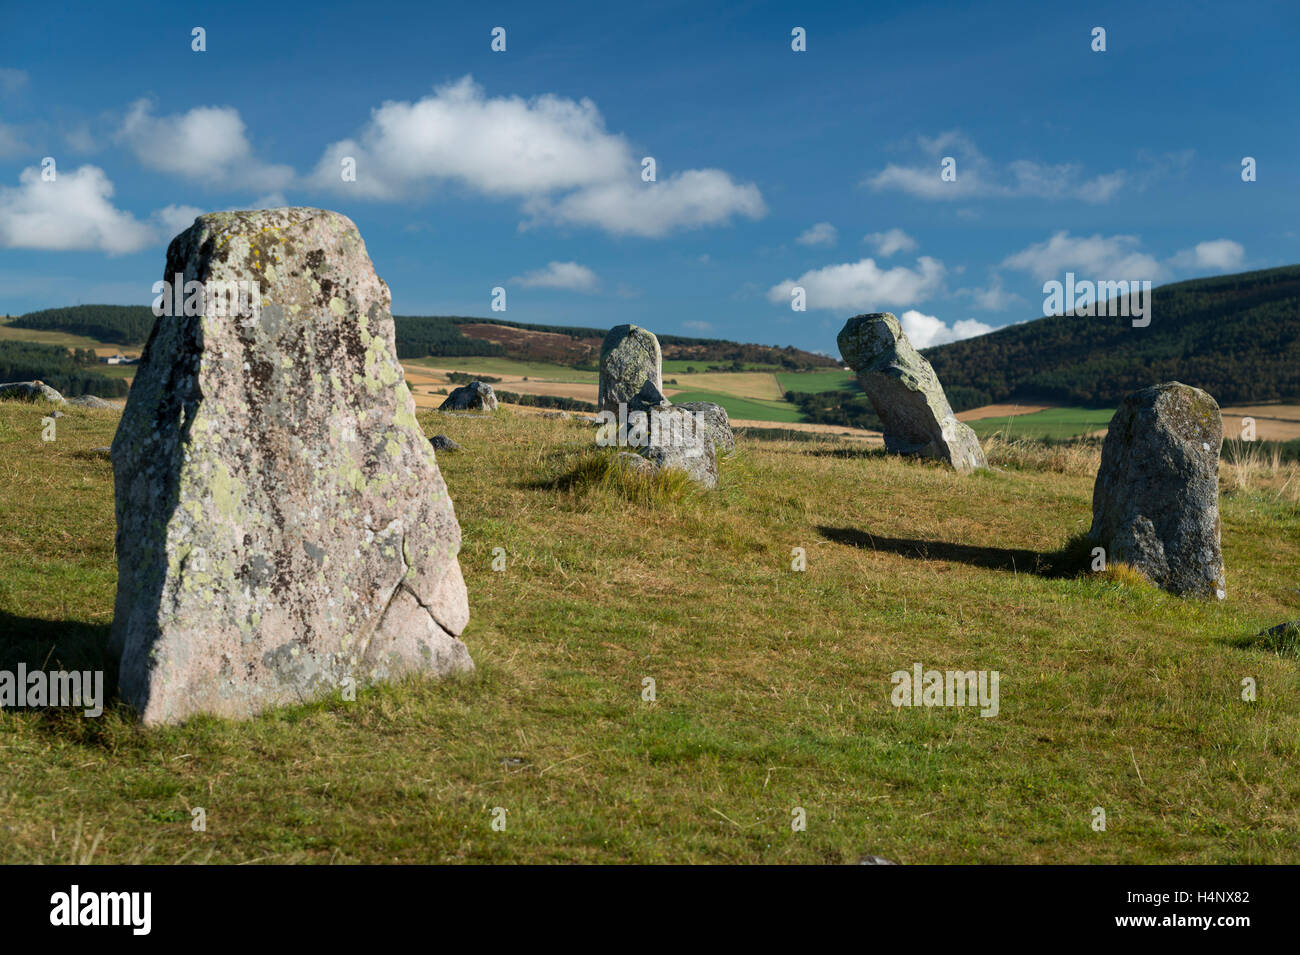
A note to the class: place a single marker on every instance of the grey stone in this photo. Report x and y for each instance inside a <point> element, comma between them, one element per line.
<point>1155,504</point>
<point>1291,628</point>
<point>90,401</point>
<point>875,860</point>
<point>441,442</point>
<point>30,391</point>
<point>282,526</point>
<point>476,396</point>
<point>717,421</point>
<point>636,462</point>
<point>677,440</point>
<point>631,370</point>
<point>906,393</point>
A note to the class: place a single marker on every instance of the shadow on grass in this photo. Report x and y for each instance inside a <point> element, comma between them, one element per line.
<point>1066,561</point>
<point>59,645</point>
<point>607,471</point>
<point>849,453</point>
<point>1282,640</point>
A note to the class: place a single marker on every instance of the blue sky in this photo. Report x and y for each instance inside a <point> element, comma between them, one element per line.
<point>774,168</point>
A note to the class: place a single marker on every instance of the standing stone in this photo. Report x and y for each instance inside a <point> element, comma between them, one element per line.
<point>682,441</point>
<point>1156,501</point>
<point>717,421</point>
<point>668,438</point>
<point>631,370</point>
<point>476,396</point>
<point>282,526</point>
<point>906,393</point>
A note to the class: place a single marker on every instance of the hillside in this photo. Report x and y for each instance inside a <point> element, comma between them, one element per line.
<point>116,324</point>
<point>419,336</point>
<point>772,686</point>
<point>1236,336</point>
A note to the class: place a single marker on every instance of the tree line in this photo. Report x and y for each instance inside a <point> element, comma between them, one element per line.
<point>52,364</point>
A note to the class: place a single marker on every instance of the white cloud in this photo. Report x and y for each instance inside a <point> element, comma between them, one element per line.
<point>926,330</point>
<point>887,243</point>
<point>864,285</point>
<point>977,176</point>
<point>207,144</point>
<point>174,219</point>
<point>686,200</point>
<point>272,200</point>
<point>969,328</point>
<point>995,298</point>
<point>695,326</point>
<point>74,212</point>
<point>553,153</point>
<point>506,146</point>
<point>560,275</point>
<point>11,80</point>
<point>823,233</point>
<point>1220,254</point>
<point>1101,257</point>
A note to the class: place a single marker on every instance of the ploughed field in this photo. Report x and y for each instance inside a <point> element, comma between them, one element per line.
<point>772,686</point>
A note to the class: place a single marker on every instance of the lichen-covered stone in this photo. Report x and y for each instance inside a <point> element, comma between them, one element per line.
<point>717,421</point>
<point>906,393</point>
<point>631,370</point>
<point>476,396</point>
<point>1155,504</point>
<point>677,440</point>
<point>282,526</point>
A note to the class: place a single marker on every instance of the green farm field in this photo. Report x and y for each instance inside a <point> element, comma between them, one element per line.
<point>1057,424</point>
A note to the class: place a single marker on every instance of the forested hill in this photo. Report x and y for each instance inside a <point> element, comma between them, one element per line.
<point>1236,336</point>
<point>446,336</point>
<point>116,324</point>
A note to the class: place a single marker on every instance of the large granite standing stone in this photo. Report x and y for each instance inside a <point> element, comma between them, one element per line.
<point>906,393</point>
<point>282,527</point>
<point>631,370</point>
<point>1156,501</point>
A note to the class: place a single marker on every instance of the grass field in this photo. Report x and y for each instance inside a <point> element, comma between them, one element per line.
<point>817,381</point>
<point>1055,423</point>
<point>772,686</point>
<point>750,409</point>
<point>497,366</point>
<point>676,366</point>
